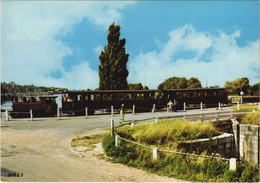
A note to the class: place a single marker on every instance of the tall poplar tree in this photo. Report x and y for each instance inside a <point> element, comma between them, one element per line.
<point>112,70</point>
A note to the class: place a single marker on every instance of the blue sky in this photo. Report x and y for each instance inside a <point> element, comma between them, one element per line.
<point>57,43</point>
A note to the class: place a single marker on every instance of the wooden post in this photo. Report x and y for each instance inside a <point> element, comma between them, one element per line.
<point>219,107</point>
<point>184,106</point>
<point>133,123</point>
<point>201,117</point>
<point>238,106</point>
<point>232,164</point>
<point>116,140</point>
<point>156,120</point>
<point>31,114</point>
<point>201,107</point>
<point>153,108</point>
<point>112,111</point>
<point>58,113</point>
<point>6,115</point>
<point>155,153</point>
<point>112,127</point>
<point>133,110</point>
<point>86,111</point>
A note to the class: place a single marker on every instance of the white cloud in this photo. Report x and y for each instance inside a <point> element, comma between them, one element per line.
<point>226,60</point>
<point>30,50</point>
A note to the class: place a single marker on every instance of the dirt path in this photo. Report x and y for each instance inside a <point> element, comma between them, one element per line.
<point>44,155</point>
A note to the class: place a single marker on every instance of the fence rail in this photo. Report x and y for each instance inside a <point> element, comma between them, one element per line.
<point>232,161</point>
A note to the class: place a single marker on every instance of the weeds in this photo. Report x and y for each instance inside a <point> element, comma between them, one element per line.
<point>250,118</point>
<point>178,166</point>
<point>168,132</point>
<point>245,107</point>
<point>87,141</point>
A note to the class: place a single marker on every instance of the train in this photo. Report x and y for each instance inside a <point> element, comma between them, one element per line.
<point>43,106</point>
<point>144,100</point>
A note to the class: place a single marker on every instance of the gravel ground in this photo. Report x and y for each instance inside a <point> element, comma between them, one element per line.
<point>38,151</point>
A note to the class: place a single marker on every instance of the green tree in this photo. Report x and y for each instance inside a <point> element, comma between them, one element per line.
<point>173,83</point>
<point>254,90</point>
<point>236,86</point>
<point>193,83</point>
<point>135,86</point>
<point>112,70</point>
<point>146,88</point>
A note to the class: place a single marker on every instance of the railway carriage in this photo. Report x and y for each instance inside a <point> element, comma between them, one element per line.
<point>77,101</point>
<point>208,96</point>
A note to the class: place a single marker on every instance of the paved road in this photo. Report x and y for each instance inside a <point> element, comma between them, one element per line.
<point>38,150</point>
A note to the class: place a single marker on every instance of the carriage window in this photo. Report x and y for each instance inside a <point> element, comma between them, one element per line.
<point>215,93</point>
<point>92,97</point>
<point>205,93</point>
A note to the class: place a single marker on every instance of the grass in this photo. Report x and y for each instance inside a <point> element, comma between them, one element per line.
<point>250,118</point>
<point>179,166</point>
<point>87,141</point>
<point>167,133</point>
<point>246,107</point>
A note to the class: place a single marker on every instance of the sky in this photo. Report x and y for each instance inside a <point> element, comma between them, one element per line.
<point>58,43</point>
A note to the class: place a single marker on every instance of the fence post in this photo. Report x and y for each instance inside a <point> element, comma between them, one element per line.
<point>116,140</point>
<point>133,123</point>
<point>238,106</point>
<point>86,111</point>
<point>112,111</point>
<point>112,127</point>
<point>31,114</point>
<point>232,164</point>
<point>133,110</point>
<point>184,116</point>
<point>184,106</point>
<point>201,107</point>
<point>217,116</point>
<point>6,115</point>
<point>231,114</point>
<point>155,153</point>
<point>219,108</point>
<point>58,113</point>
<point>201,117</point>
<point>156,119</point>
<point>153,108</point>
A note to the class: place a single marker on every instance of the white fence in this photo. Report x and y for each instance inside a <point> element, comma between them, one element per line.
<point>232,161</point>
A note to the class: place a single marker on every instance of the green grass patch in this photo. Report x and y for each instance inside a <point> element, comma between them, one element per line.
<point>250,118</point>
<point>246,107</point>
<point>166,133</point>
<point>179,166</point>
<point>87,141</point>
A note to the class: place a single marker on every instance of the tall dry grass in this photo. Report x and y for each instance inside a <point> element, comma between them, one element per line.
<point>168,131</point>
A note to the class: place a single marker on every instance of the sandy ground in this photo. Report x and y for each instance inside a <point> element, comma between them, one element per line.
<point>44,155</point>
